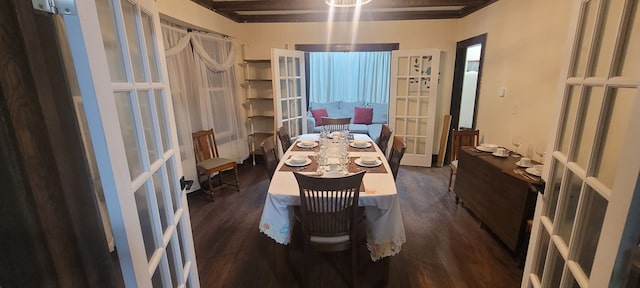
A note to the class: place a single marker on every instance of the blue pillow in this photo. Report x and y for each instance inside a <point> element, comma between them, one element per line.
<point>380,113</point>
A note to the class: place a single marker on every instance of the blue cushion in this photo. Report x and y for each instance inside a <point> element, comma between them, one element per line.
<point>359,128</point>
<point>380,113</point>
<point>374,131</point>
<point>333,108</point>
<point>347,109</point>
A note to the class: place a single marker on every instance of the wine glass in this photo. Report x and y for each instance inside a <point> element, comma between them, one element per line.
<point>515,140</point>
<point>540,150</point>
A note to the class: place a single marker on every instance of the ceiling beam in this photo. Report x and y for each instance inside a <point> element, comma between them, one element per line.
<point>319,4</point>
<point>374,16</point>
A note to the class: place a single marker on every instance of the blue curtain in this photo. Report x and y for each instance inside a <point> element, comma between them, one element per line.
<point>349,76</point>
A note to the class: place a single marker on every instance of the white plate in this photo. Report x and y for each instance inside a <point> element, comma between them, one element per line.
<point>290,162</point>
<point>481,148</point>
<point>523,166</point>
<point>299,144</point>
<point>498,155</point>
<point>367,145</point>
<point>359,163</point>
<point>333,174</point>
<point>533,171</point>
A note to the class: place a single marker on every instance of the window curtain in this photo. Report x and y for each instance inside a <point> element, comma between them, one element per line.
<point>202,78</point>
<point>349,76</point>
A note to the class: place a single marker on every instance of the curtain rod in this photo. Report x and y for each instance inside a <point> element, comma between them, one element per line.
<point>180,28</point>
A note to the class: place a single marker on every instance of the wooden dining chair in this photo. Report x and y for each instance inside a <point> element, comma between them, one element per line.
<point>395,155</point>
<point>268,147</point>
<point>460,138</point>
<point>383,140</point>
<point>285,139</point>
<point>328,212</point>
<point>336,124</point>
<point>209,162</point>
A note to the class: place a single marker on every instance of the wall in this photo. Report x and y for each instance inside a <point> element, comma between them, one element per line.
<point>526,44</point>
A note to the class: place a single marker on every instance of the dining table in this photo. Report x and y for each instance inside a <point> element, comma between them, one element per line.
<point>378,197</point>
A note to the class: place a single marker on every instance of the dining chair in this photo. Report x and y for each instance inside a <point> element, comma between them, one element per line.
<point>328,212</point>
<point>383,140</point>
<point>395,155</point>
<point>268,147</point>
<point>209,162</point>
<point>460,138</point>
<point>285,139</point>
<point>336,124</point>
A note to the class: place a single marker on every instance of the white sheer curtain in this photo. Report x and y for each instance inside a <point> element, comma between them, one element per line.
<point>202,79</point>
<point>349,76</point>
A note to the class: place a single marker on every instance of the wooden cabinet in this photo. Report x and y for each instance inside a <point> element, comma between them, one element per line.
<point>501,199</point>
<point>259,103</point>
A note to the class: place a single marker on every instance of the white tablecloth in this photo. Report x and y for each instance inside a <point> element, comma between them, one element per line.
<point>385,230</point>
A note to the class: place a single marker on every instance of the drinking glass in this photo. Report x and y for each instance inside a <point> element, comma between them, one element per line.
<point>541,150</point>
<point>515,140</point>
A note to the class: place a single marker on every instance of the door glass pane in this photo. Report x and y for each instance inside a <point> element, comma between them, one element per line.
<point>571,281</point>
<point>402,87</point>
<point>403,65</point>
<point>425,86</point>
<point>421,146</point>
<point>411,126</point>
<point>147,25</point>
<point>129,15</point>
<point>584,39</point>
<point>588,125</point>
<point>129,134</point>
<point>423,109</point>
<point>147,125</point>
<point>411,145</point>
<point>555,270</point>
<point>414,69</point>
<point>162,119</point>
<point>144,215</point>
<point>285,111</point>
<point>412,107</point>
<point>297,66</point>
<point>298,88</point>
<point>283,66</point>
<point>414,86</point>
<point>569,119</point>
<point>283,89</point>
<point>608,33</point>
<point>291,88</point>
<point>176,194</point>
<point>553,192</point>
<point>401,107</point>
<point>426,65</point>
<point>595,208</point>
<point>618,114</point>
<point>175,263</point>
<point>400,124</point>
<point>112,45</point>
<point>629,58</point>
<point>158,186</point>
<point>541,254</point>
<point>573,185</point>
<point>156,279</point>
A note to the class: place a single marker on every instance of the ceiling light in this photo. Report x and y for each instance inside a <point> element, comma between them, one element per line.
<point>346,3</point>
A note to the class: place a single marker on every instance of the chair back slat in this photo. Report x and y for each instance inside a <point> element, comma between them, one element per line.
<point>204,145</point>
<point>383,140</point>
<point>395,155</point>
<point>328,204</point>
<point>461,138</point>
<point>336,124</point>
<point>268,147</point>
<point>285,139</point>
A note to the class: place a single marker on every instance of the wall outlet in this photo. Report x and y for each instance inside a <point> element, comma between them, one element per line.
<point>502,91</point>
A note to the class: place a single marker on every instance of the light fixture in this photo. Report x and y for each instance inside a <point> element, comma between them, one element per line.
<point>346,3</point>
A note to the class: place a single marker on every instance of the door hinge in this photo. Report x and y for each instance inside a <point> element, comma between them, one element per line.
<point>64,7</point>
<point>185,184</point>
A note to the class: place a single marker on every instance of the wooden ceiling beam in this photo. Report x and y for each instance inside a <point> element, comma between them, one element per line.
<point>319,4</point>
<point>374,16</point>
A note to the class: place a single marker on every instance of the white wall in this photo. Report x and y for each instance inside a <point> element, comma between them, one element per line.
<point>526,42</point>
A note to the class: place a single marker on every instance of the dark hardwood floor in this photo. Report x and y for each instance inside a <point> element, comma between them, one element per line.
<point>446,246</point>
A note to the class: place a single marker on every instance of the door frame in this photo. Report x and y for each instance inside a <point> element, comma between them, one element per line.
<point>458,77</point>
<point>57,231</point>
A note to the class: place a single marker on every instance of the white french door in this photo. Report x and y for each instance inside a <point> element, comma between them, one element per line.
<point>289,89</point>
<point>585,231</point>
<point>413,100</point>
<point>121,70</point>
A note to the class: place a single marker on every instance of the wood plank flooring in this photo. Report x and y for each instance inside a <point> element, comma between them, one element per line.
<point>446,246</point>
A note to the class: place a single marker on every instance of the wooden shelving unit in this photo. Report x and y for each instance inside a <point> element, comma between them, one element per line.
<point>259,103</point>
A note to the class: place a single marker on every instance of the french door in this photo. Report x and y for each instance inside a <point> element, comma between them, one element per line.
<point>289,89</point>
<point>585,231</point>
<point>121,69</point>
<point>413,100</point>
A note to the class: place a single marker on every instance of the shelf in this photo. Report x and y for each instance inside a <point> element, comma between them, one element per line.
<point>260,134</point>
<point>260,98</point>
<point>260,117</point>
<point>257,80</point>
<point>256,152</point>
<point>257,61</point>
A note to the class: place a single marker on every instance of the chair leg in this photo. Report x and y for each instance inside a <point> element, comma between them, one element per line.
<point>354,264</point>
<point>235,169</point>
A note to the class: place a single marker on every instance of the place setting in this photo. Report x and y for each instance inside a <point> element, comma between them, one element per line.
<point>305,145</point>
<point>361,146</point>
<point>301,163</point>
<point>370,163</point>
